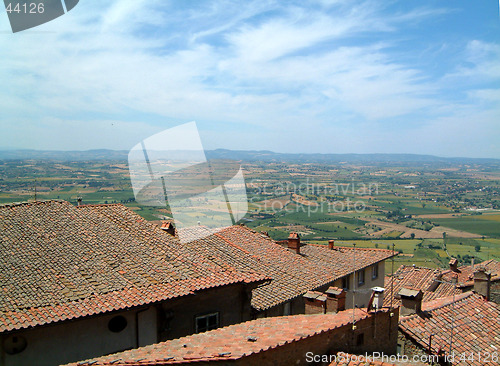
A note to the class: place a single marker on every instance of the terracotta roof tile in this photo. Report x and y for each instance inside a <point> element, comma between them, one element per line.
<point>472,319</point>
<point>60,262</point>
<point>84,260</point>
<point>465,274</point>
<point>294,274</point>
<point>232,342</point>
<point>419,278</point>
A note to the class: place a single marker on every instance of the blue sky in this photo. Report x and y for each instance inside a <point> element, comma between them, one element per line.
<point>340,76</point>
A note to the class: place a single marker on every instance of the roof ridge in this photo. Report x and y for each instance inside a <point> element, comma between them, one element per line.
<point>351,248</point>
<point>446,301</point>
<point>101,205</point>
<point>25,203</point>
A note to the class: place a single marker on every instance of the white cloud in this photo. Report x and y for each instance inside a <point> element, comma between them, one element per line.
<point>257,66</point>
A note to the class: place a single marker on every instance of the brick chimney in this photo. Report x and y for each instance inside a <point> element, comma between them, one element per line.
<point>335,300</point>
<point>411,301</point>
<point>453,265</point>
<point>294,242</point>
<point>315,302</point>
<point>482,281</point>
<point>331,244</point>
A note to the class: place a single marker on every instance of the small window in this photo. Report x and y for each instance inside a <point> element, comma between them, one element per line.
<point>345,283</point>
<point>207,322</point>
<point>117,324</point>
<point>361,277</point>
<point>375,271</point>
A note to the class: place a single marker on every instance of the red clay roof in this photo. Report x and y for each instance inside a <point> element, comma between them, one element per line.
<point>61,262</point>
<point>466,273</point>
<point>344,260</point>
<point>232,342</point>
<point>474,321</point>
<point>420,278</point>
<point>294,274</point>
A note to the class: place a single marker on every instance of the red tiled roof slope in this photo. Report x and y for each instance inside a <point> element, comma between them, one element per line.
<point>419,278</point>
<point>294,274</point>
<point>60,262</point>
<point>69,259</point>
<point>466,273</point>
<point>232,342</point>
<point>474,321</point>
<point>344,260</point>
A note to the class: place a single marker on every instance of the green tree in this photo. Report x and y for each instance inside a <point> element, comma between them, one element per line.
<point>478,248</point>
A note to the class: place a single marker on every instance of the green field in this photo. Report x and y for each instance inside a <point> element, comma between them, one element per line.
<point>477,224</point>
<point>417,251</point>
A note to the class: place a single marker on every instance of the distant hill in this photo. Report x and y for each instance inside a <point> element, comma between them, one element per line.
<point>101,154</point>
<point>264,155</point>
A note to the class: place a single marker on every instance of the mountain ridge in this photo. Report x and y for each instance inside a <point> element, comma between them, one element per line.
<point>243,155</point>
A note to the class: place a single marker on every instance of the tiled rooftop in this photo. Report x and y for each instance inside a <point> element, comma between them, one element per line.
<point>466,273</point>
<point>61,262</point>
<point>232,342</point>
<point>473,319</point>
<point>419,278</point>
<point>294,274</point>
<point>344,260</point>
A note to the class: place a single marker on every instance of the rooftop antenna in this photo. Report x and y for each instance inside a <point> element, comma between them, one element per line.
<point>454,282</point>
<point>392,271</point>
<point>354,287</point>
<point>35,189</point>
<point>452,324</point>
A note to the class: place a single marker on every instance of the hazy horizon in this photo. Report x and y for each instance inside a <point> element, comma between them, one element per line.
<point>5,149</point>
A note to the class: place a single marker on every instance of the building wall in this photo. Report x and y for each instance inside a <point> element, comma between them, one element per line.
<point>177,316</point>
<point>90,337</point>
<point>81,339</point>
<point>495,292</point>
<point>363,292</point>
<point>379,332</point>
<point>362,298</point>
<point>406,346</point>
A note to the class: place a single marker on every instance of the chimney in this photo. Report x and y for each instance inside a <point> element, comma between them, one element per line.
<point>377,298</point>
<point>411,301</point>
<point>79,201</point>
<point>482,281</point>
<point>453,265</point>
<point>331,244</point>
<point>168,227</point>
<point>335,300</point>
<point>315,302</point>
<point>294,242</point>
